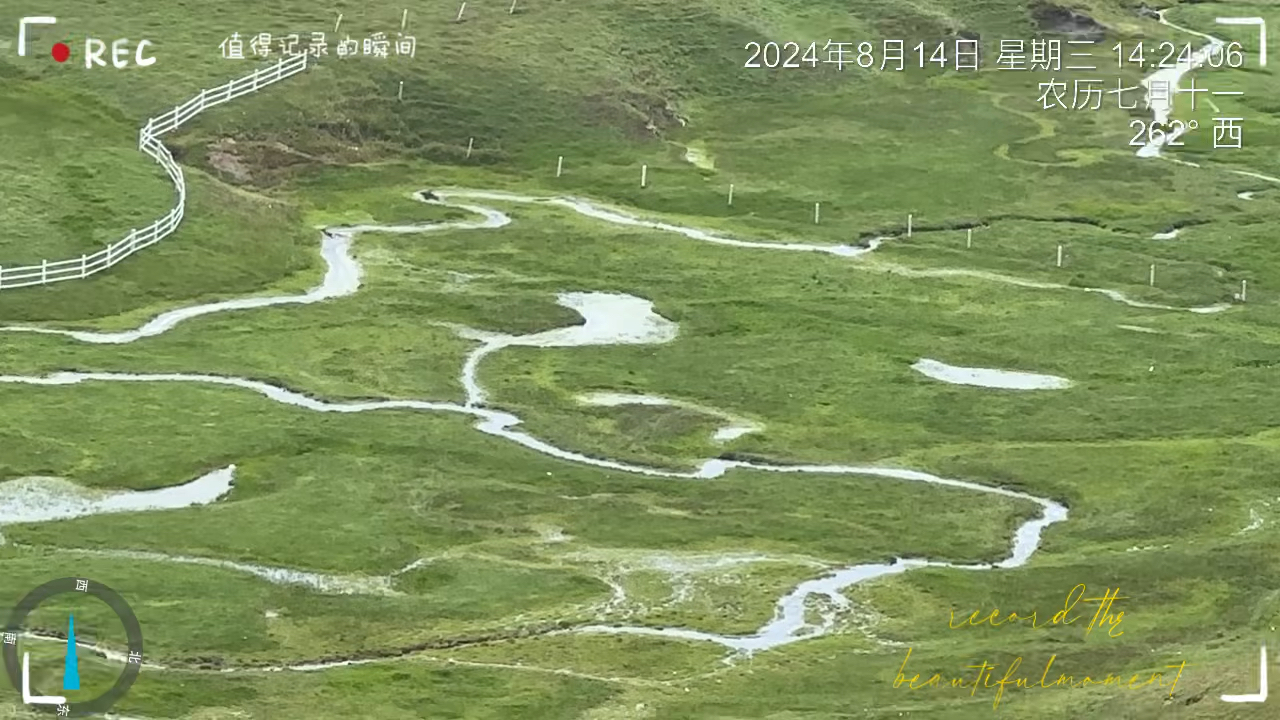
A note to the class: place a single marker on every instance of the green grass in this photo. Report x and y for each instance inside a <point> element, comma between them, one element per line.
<point>1161,448</point>
<point>75,181</point>
<point>1257,105</point>
<point>416,687</point>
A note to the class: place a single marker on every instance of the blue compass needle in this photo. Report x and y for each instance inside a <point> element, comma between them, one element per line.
<point>71,675</point>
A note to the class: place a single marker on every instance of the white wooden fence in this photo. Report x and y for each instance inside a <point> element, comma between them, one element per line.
<point>149,143</point>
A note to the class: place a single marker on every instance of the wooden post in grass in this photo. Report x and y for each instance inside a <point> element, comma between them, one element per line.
<point>816,210</point>
<point>1151,280</point>
<point>968,237</point>
<point>470,144</point>
<point>908,224</point>
<point>1059,256</point>
<point>644,175</point>
<point>559,165</point>
<point>730,193</point>
<point>1244,290</point>
<point>404,18</point>
<point>400,92</point>
<point>337,24</point>
<point>460,11</point>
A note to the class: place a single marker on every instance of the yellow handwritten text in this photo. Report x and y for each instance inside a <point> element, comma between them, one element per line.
<point>987,680</point>
<point>1101,616</point>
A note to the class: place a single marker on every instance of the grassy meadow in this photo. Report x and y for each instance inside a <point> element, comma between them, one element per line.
<point>487,554</point>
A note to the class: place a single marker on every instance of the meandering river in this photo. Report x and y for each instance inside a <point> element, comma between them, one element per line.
<point>609,319</point>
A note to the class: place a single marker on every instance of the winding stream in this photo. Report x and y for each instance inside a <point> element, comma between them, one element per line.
<point>619,217</point>
<point>1162,110</point>
<point>343,273</point>
<point>1249,194</point>
<point>1171,76</point>
<point>609,319</point>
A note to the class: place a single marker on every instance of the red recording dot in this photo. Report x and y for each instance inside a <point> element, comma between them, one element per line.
<point>61,52</point>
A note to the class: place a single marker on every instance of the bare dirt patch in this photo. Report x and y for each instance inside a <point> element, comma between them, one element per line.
<point>1065,21</point>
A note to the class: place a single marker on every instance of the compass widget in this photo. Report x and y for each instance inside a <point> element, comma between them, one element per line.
<point>21,640</point>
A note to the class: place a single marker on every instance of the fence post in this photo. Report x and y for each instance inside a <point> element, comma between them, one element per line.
<point>149,144</point>
<point>730,193</point>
